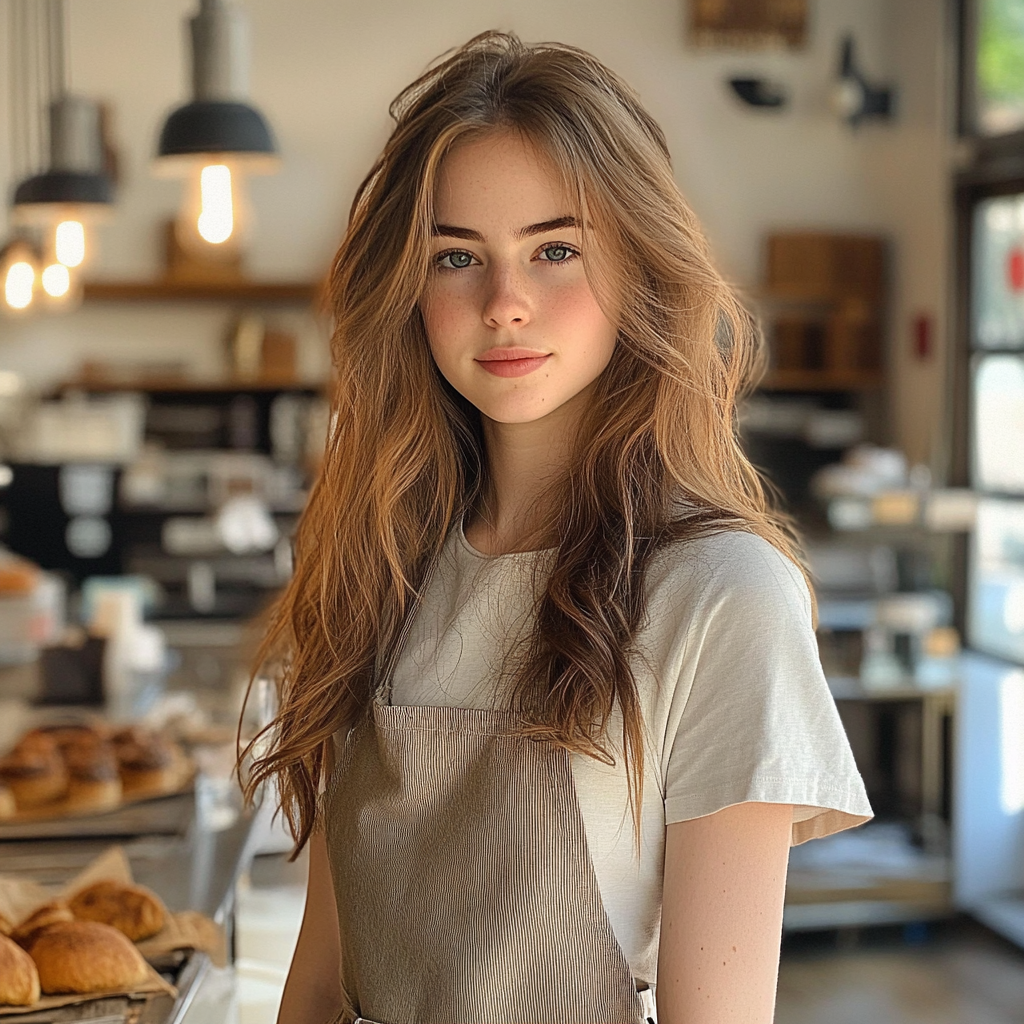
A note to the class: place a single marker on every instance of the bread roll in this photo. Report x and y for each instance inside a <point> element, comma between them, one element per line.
<point>93,780</point>
<point>34,771</point>
<point>47,914</point>
<point>8,806</point>
<point>86,956</point>
<point>71,735</point>
<point>6,925</point>
<point>148,763</point>
<point>134,910</point>
<point>19,979</point>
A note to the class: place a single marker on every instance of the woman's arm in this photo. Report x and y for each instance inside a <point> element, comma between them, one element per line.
<point>721,919</point>
<point>312,993</point>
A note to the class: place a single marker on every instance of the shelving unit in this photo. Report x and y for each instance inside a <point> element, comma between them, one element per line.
<point>878,875</point>
<point>823,306</point>
<point>169,385</point>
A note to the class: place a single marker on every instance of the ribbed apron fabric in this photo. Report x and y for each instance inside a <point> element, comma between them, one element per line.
<point>465,890</point>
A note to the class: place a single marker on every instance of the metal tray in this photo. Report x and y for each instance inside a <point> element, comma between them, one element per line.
<point>186,974</point>
<point>164,815</point>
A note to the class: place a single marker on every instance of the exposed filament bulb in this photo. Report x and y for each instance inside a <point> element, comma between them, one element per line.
<point>216,216</point>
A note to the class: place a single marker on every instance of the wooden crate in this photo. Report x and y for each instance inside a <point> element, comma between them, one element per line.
<point>826,267</point>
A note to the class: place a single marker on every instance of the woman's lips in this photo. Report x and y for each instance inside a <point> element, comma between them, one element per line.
<point>511,362</point>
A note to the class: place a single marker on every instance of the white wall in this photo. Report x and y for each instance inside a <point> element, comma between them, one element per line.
<point>324,71</point>
<point>908,169</point>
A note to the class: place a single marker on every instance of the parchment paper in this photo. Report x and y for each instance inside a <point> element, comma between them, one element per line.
<point>185,930</point>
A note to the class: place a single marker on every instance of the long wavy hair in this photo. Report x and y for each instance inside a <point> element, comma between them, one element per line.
<point>657,457</point>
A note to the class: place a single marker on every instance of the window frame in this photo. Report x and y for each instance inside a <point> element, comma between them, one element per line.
<point>987,149</point>
<point>984,179</point>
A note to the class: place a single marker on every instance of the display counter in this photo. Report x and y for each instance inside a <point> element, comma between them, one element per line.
<point>206,841</point>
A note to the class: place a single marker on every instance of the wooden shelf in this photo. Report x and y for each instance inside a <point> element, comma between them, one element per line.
<point>822,380</point>
<point>269,292</point>
<point>187,385</point>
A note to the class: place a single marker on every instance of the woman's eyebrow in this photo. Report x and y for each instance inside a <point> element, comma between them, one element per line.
<point>450,231</point>
<point>546,225</point>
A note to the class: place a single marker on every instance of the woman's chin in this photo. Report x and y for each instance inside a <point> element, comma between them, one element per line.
<point>511,413</point>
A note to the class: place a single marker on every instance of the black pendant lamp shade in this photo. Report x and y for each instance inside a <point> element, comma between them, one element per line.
<point>75,176</point>
<point>216,126</point>
<point>65,187</point>
<point>219,121</point>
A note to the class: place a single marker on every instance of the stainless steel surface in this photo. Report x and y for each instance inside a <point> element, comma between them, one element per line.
<point>193,869</point>
<point>189,980</point>
<point>166,815</point>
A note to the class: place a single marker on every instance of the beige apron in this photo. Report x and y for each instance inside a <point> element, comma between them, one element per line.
<point>465,891</point>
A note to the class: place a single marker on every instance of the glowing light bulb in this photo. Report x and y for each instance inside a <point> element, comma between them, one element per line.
<point>216,216</point>
<point>21,278</point>
<point>69,243</point>
<point>56,280</point>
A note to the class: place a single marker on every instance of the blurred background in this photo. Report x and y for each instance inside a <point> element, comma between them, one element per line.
<point>178,175</point>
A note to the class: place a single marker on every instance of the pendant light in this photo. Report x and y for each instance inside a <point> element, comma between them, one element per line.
<point>19,275</point>
<point>53,208</point>
<point>218,138</point>
<point>71,196</point>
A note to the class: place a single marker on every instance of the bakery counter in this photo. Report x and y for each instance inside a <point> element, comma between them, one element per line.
<point>208,841</point>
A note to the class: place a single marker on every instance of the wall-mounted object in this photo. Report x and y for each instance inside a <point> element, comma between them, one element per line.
<point>854,98</point>
<point>759,92</point>
<point>217,138</point>
<point>748,23</point>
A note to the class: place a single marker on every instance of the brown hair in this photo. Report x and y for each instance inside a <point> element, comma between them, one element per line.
<point>657,454</point>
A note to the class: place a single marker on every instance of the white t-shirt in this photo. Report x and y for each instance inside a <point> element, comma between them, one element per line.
<point>734,702</point>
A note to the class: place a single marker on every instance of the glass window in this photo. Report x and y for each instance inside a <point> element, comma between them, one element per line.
<point>998,433</point>
<point>998,307</point>
<point>996,598</point>
<point>1000,66</point>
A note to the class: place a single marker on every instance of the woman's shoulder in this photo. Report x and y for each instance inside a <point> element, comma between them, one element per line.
<point>730,566</point>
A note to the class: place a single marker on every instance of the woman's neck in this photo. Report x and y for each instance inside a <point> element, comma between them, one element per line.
<point>525,463</point>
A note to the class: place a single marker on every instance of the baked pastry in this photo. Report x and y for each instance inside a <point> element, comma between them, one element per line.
<point>94,783</point>
<point>17,576</point>
<point>134,910</point>
<point>19,978</point>
<point>148,763</point>
<point>6,924</point>
<point>34,771</point>
<point>70,735</point>
<point>8,807</point>
<point>86,956</point>
<point>49,913</point>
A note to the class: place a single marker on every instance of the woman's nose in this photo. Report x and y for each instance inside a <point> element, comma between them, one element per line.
<point>507,300</point>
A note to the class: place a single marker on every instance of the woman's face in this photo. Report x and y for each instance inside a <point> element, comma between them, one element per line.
<point>510,316</point>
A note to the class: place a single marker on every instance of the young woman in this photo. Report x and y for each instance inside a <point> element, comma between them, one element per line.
<point>551,712</point>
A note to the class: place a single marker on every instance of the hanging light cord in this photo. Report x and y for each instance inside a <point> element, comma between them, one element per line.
<point>39,73</point>
<point>57,59</point>
<point>17,38</point>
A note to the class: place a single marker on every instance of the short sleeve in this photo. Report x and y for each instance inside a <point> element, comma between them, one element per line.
<point>752,718</point>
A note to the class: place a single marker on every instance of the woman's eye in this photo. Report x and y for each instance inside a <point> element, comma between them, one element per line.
<point>557,253</point>
<point>456,260</point>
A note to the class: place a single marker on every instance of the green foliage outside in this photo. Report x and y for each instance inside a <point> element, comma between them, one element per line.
<point>1001,50</point>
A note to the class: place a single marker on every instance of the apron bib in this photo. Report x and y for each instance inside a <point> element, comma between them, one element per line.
<point>465,889</point>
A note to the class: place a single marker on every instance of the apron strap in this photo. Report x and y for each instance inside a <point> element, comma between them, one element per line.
<point>385,663</point>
